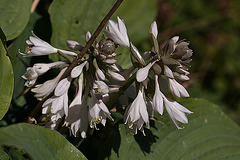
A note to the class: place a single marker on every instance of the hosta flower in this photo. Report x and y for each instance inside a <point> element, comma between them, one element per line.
<point>157,102</point>
<point>39,69</point>
<point>142,73</point>
<point>55,120</point>
<point>176,111</point>
<point>43,90</point>
<point>56,107</point>
<point>78,112</point>
<point>177,89</point>
<point>38,47</point>
<point>118,33</point>
<point>98,112</point>
<point>154,31</point>
<point>136,114</point>
<point>55,104</point>
<point>76,71</point>
<point>62,86</point>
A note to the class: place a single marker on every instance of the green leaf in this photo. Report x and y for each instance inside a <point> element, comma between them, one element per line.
<point>18,153</point>
<point>210,134</point>
<point>39,142</point>
<point>138,16</point>
<point>6,78</point>
<point>73,18</point>
<point>3,154</point>
<point>14,16</point>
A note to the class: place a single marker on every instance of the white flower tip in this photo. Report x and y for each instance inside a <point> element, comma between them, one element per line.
<point>83,135</point>
<point>119,19</point>
<point>33,34</point>
<point>68,52</point>
<point>62,86</point>
<point>74,45</point>
<point>88,36</point>
<point>154,29</point>
<point>175,39</point>
<point>116,76</point>
<point>168,71</point>
<point>142,73</point>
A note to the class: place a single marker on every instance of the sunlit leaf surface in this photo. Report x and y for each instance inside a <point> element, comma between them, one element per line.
<point>39,142</point>
<point>6,78</point>
<point>14,16</point>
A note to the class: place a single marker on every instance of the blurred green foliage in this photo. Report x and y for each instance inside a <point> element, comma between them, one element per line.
<point>213,28</point>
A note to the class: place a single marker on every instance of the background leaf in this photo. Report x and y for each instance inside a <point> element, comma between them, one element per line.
<point>14,16</point>
<point>39,142</point>
<point>210,134</point>
<point>3,154</point>
<point>73,18</point>
<point>6,78</point>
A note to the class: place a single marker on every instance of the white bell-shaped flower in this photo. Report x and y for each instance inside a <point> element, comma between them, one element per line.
<point>136,114</point>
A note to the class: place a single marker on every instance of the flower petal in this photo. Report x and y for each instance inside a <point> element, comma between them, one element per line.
<point>74,45</point>
<point>157,98</point>
<point>154,29</point>
<point>62,86</point>
<point>116,76</point>
<point>168,72</point>
<point>78,70</point>
<point>142,73</point>
<point>123,30</point>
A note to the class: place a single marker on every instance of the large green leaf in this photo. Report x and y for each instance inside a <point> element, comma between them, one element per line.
<point>6,77</point>
<point>40,143</point>
<point>73,18</point>
<point>14,16</point>
<point>210,134</point>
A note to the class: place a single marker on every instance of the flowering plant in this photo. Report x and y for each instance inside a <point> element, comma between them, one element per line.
<point>98,76</point>
<point>117,88</point>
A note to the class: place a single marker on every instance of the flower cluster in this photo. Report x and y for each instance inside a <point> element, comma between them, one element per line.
<point>167,66</point>
<point>97,75</point>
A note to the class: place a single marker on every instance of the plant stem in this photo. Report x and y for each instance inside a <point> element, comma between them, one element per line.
<point>81,54</point>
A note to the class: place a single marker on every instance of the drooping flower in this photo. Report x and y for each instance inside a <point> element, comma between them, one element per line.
<point>157,102</point>
<point>78,111</point>
<point>39,69</point>
<point>38,47</point>
<point>98,112</point>
<point>43,90</point>
<point>136,114</point>
<point>56,107</point>
<point>62,86</point>
<point>177,89</point>
<point>176,111</point>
